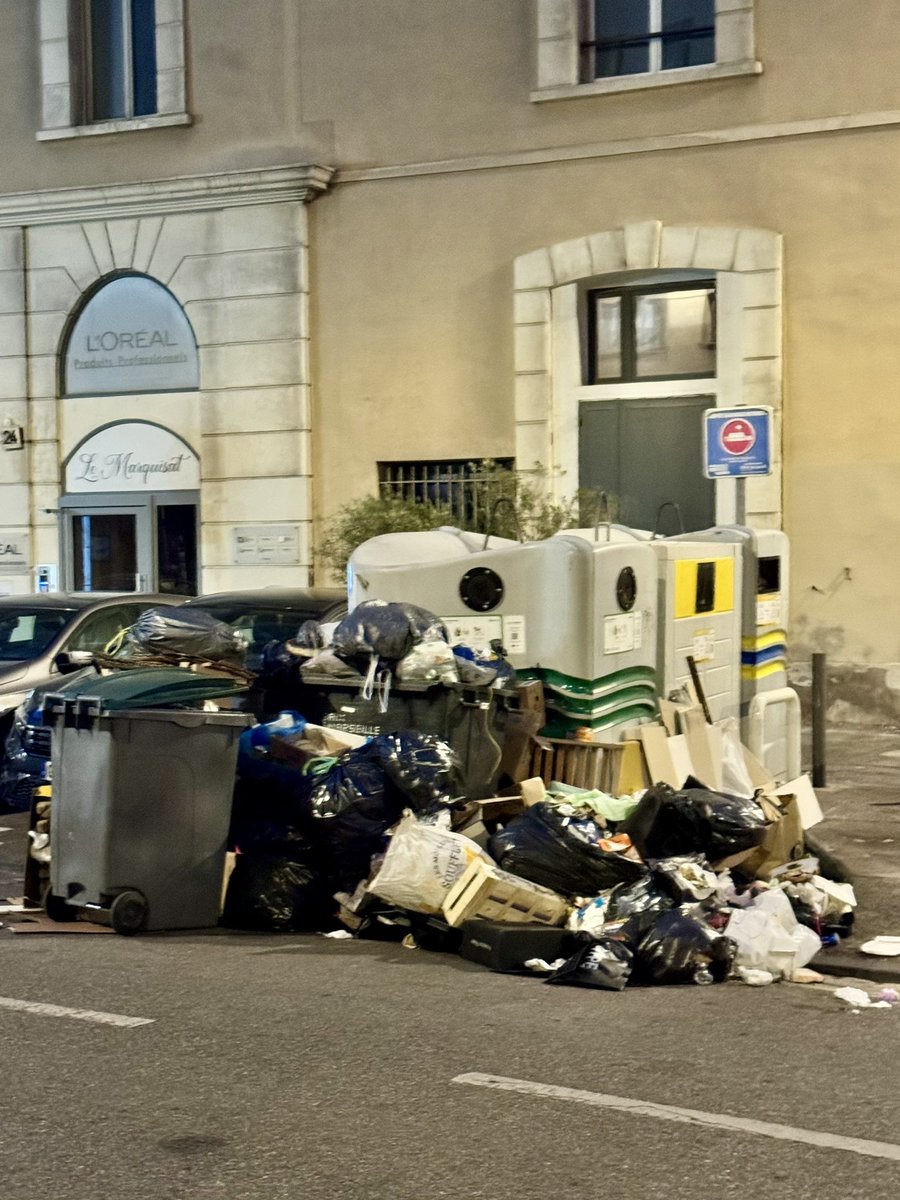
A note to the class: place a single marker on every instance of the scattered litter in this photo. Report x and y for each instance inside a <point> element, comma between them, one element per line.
<point>541,967</point>
<point>754,977</point>
<point>891,995</point>
<point>339,935</point>
<point>807,975</point>
<point>859,999</point>
<point>882,946</point>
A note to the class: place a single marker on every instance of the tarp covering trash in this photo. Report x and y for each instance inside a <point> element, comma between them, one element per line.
<point>360,808</point>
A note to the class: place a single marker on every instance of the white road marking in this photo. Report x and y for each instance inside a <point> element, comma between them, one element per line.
<point>76,1014</point>
<point>690,1116</point>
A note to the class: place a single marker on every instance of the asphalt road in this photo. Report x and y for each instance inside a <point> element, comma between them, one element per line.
<point>300,1068</point>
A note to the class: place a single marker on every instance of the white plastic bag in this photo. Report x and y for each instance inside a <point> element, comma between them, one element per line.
<point>428,662</point>
<point>770,938</point>
<point>736,779</point>
<point>421,865</point>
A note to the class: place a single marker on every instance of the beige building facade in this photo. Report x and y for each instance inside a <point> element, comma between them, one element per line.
<point>383,232</point>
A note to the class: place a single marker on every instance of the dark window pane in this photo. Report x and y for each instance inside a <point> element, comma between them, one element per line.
<point>688,52</point>
<point>105,552</point>
<point>143,55</point>
<point>688,15</point>
<point>622,60</point>
<point>176,548</point>
<point>621,29</point>
<point>687,26</point>
<point>617,19</point>
<point>107,20</point>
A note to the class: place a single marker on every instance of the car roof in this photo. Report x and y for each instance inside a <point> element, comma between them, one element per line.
<point>273,597</point>
<point>75,601</point>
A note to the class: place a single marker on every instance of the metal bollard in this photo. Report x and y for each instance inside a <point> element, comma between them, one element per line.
<point>819,704</point>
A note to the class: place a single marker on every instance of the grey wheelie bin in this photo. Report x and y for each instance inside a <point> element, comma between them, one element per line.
<point>140,813</point>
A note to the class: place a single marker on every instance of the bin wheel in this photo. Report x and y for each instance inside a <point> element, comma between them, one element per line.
<point>128,913</point>
<point>58,909</point>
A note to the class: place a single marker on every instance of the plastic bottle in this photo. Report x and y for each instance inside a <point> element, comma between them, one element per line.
<point>702,975</point>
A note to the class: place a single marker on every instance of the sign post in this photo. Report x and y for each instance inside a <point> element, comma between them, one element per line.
<point>737,442</point>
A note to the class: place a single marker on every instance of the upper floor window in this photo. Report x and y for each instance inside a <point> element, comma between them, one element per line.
<point>588,47</point>
<point>118,58</point>
<point>663,331</point>
<point>109,66</point>
<point>627,37</point>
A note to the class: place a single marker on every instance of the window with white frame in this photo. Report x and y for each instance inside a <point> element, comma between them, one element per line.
<point>108,66</point>
<point>117,59</point>
<point>627,37</point>
<point>595,46</point>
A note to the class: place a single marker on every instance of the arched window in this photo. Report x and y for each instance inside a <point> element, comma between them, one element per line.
<point>131,336</point>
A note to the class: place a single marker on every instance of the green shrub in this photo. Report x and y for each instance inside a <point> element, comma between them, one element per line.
<point>492,499</point>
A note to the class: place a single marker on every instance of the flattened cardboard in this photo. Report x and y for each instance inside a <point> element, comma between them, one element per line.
<point>658,756</point>
<point>533,790</point>
<point>807,800</point>
<point>704,743</point>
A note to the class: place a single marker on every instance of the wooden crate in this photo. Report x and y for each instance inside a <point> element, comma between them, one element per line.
<point>483,890</point>
<point>613,767</point>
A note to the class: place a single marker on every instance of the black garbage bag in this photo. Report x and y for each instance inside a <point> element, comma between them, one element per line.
<point>170,631</point>
<point>422,765</point>
<point>274,893</point>
<point>680,948</point>
<point>546,847</point>
<point>604,963</point>
<point>385,630</point>
<point>694,820</point>
<point>632,910</point>
<point>270,812</point>
<point>365,793</point>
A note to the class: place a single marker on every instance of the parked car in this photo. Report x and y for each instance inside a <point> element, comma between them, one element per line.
<point>265,615</point>
<point>260,616</point>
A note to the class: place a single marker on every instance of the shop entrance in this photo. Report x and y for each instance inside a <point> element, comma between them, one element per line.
<point>125,543</point>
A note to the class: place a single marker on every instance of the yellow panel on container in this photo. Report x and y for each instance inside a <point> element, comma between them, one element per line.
<point>686,586</point>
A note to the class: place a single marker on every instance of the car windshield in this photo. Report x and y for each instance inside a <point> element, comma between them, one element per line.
<point>27,632</point>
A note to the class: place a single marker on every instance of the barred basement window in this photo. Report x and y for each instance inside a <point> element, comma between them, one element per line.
<point>456,482</point>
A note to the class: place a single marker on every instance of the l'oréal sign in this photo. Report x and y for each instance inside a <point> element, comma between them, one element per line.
<point>132,456</point>
<point>131,336</point>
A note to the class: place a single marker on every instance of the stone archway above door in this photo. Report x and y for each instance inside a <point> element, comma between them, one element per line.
<point>747,264</point>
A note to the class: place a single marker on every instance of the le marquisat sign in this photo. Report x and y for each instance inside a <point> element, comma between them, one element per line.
<point>132,456</point>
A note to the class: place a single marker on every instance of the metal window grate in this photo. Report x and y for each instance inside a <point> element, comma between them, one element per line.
<point>456,483</point>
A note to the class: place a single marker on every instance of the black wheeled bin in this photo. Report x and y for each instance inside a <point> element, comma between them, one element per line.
<point>471,719</point>
<point>140,813</point>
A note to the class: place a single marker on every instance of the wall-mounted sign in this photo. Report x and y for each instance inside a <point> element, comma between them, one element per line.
<point>132,456</point>
<point>131,336</point>
<point>15,550</point>
<point>12,437</point>
<point>266,544</point>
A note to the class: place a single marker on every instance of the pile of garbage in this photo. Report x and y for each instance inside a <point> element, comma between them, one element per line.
<point>389,834</point>
<point>371,836</point>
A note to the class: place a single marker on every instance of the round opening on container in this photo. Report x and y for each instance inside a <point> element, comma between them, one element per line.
<point>626,589</point>
<point>481,589</point>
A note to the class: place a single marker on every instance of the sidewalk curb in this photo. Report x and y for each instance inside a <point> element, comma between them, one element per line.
<point>860,966</point>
